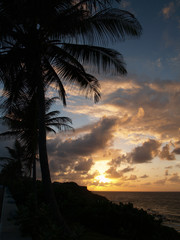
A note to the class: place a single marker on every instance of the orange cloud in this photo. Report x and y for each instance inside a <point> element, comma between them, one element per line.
<point>169,10</point>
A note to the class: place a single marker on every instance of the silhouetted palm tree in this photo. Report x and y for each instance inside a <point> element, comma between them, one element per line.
<point>25,127</point>
<point>48,41</point>
<point>13,167</point>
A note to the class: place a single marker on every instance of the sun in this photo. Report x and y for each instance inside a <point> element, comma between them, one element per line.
<point>102,179</point>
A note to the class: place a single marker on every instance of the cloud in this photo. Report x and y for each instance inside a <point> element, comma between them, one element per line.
<point>169,167</point>
<point>175,178</point>
<point>168,10</point>
<point>133,98</point>
<point>161,181</point>
<point>125,4</point>
<point>175,60</point>
<point>113,173</point>
<point>100,137</point>
<point>146,184</point>
<point>140,113</point>
<point>144,176</point>
<point>151,106</point>
<point>141,107</point>
<point>158,63</point>
<point>127,169</point>
<point>165,153</point>
<point>78,177</point>
<point>84,165</point>
<point>132,177</point>
<point>176,150</point>
<point>166,173</point>
<point>146,152</point>
<point>74,154</point>
<point>117,161</point>
<point>134,108</point>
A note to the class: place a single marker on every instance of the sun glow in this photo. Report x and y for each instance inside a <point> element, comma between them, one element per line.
<point>102,179</point>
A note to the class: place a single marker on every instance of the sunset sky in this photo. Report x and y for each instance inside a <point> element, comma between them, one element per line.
<point>130,140</point>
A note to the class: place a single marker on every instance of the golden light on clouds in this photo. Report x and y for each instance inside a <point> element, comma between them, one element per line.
<point>102,179</point>
<point>140,113</point>
<point>127,142</point>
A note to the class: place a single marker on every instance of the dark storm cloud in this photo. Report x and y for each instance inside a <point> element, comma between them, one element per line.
<point>146,152</point>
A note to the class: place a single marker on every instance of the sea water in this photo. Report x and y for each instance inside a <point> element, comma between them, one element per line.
<point>164,204</point>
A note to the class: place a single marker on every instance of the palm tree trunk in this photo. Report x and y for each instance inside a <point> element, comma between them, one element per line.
<point>46,179</point>
<point>34,183</point>
<point>34,168</point>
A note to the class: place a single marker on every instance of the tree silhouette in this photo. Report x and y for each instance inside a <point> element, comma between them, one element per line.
<point>25,128</point>
<point>13,167</point>
<point>45,42</point>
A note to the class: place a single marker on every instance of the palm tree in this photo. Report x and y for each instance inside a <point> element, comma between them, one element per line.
<point>13,167</point>
<point>48,41</point>
<point>25,128</point>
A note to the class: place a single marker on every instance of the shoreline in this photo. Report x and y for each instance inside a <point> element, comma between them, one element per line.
<point>168,217</point>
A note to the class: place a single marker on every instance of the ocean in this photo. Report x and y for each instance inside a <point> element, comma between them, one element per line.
<point>165,204</point>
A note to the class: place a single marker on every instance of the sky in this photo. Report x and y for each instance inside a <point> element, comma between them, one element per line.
<point>130,140</point>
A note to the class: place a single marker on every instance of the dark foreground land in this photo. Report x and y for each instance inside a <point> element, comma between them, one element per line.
<point>90,216</point>
<point>1,199</point>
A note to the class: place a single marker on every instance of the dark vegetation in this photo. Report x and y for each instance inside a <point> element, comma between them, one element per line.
<point>90,216</point>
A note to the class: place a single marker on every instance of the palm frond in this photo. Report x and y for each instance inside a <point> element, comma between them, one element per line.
<point>9,134</point>
<point>99,57</point>
<point>49,102</point>
<point>51,114</point>
<point>60,127</point>
<point>104,26</point>
<point>52,76</point>
<point>70,73</point>
<point>50,129</point>
<point>5,159</point>
<point>58,52</point>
